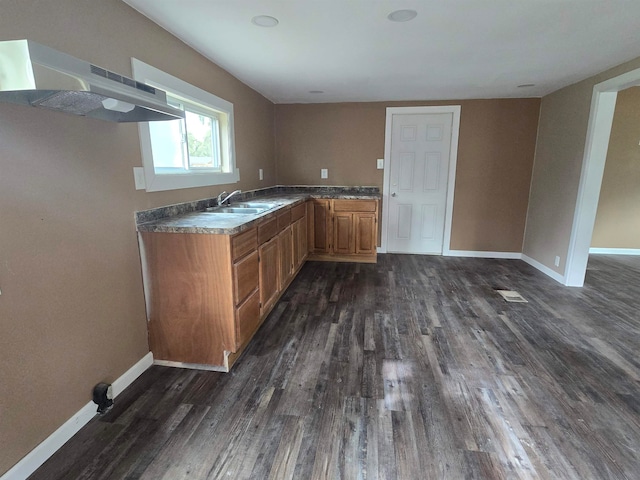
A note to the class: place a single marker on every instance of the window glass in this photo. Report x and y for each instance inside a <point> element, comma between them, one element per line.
<point>193,152</point>
<point>202,135</point>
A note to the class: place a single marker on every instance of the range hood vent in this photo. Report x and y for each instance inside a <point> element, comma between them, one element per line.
<point>36,75</point>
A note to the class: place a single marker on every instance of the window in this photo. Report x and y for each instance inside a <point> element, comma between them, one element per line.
<point>194,152</point>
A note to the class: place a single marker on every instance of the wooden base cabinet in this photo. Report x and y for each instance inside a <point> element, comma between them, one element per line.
<point>196,292</point>
<point>345,230</point>
<point>208,294</point>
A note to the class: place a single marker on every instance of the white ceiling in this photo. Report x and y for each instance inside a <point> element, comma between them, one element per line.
<point>453,49</point>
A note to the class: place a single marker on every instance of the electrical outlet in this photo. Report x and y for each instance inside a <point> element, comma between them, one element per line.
<point>380,164</point>
<point>138,178</point>
<point>557,261</point>
<point>261,174</point>
<point>324,173</point>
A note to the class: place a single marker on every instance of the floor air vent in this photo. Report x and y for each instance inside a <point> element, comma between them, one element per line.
<point>511,296</point>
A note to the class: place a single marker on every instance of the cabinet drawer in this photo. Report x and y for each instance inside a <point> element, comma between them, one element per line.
<point>245,277</point>
<point>354,205</point>
<point>247,318</point>
<point>284,219</point>
<point>298,212</point>
<point>243,243</point>
<point>267,230</point>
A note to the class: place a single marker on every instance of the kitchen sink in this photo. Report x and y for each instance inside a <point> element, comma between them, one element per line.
<point>244,208</point>
<point>264,206</point>
<point>236,210</point>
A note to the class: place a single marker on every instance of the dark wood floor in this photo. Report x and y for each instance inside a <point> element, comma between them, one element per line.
<point>413,368</point>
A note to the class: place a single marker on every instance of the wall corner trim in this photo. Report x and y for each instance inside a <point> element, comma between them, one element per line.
<point>544,269</point>
<point>50,445</point>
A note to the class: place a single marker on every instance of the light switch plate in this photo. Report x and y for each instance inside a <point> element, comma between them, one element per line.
<point>261,174</point>
<point>380,164</point>
<point>138,178</point>
<point>324,173</point>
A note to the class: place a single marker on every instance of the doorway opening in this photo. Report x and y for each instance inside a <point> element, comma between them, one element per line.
<point>603,103</point>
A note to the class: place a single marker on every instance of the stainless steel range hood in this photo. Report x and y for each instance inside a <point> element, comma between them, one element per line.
<point>36,75</point>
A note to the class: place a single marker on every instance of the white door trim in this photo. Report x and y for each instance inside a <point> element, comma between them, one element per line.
<point>603,103</point>
<point>453,158</point>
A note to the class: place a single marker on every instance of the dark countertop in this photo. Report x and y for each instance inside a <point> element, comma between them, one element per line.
<point>192,217</point>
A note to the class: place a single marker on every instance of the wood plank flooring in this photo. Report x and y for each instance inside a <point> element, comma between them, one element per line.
<point>412,368</point>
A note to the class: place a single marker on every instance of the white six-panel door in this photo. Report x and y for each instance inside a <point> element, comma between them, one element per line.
<point>419,162</point>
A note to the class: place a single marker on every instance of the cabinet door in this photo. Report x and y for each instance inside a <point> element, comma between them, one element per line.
<point>309,227</point>
<point>268,273</point>
<point>321,232</point>
<point>343,237</point>
<point>299,242</point>
<point>304,244</point>
<point>295,244</point>
<point>285,257</point>
<point>366,233</point>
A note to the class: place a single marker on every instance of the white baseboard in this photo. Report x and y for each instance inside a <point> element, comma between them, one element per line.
<point>614,251</point>
<point>472,253</point>
<point>128,377</point>
<point>34,459</point>
<point>544,269</point>
<point>481,254</point>
<point>192,366</point>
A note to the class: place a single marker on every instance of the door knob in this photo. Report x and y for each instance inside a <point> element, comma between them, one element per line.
<point>393,194</point>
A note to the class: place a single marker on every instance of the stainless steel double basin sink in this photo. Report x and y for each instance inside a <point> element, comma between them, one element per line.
<point>243,208</point>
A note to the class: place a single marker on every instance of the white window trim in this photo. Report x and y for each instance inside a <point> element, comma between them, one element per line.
<point>155,183</point>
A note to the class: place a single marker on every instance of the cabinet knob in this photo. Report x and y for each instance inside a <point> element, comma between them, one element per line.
<point>393,194</point>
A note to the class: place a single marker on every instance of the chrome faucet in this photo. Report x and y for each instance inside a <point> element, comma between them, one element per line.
<point>226,199</point>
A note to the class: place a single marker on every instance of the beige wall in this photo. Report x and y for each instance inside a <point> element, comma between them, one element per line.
<point>618,218</point>
<point>72,307</point>
<point>495,157</point>
<point>564,116</point>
